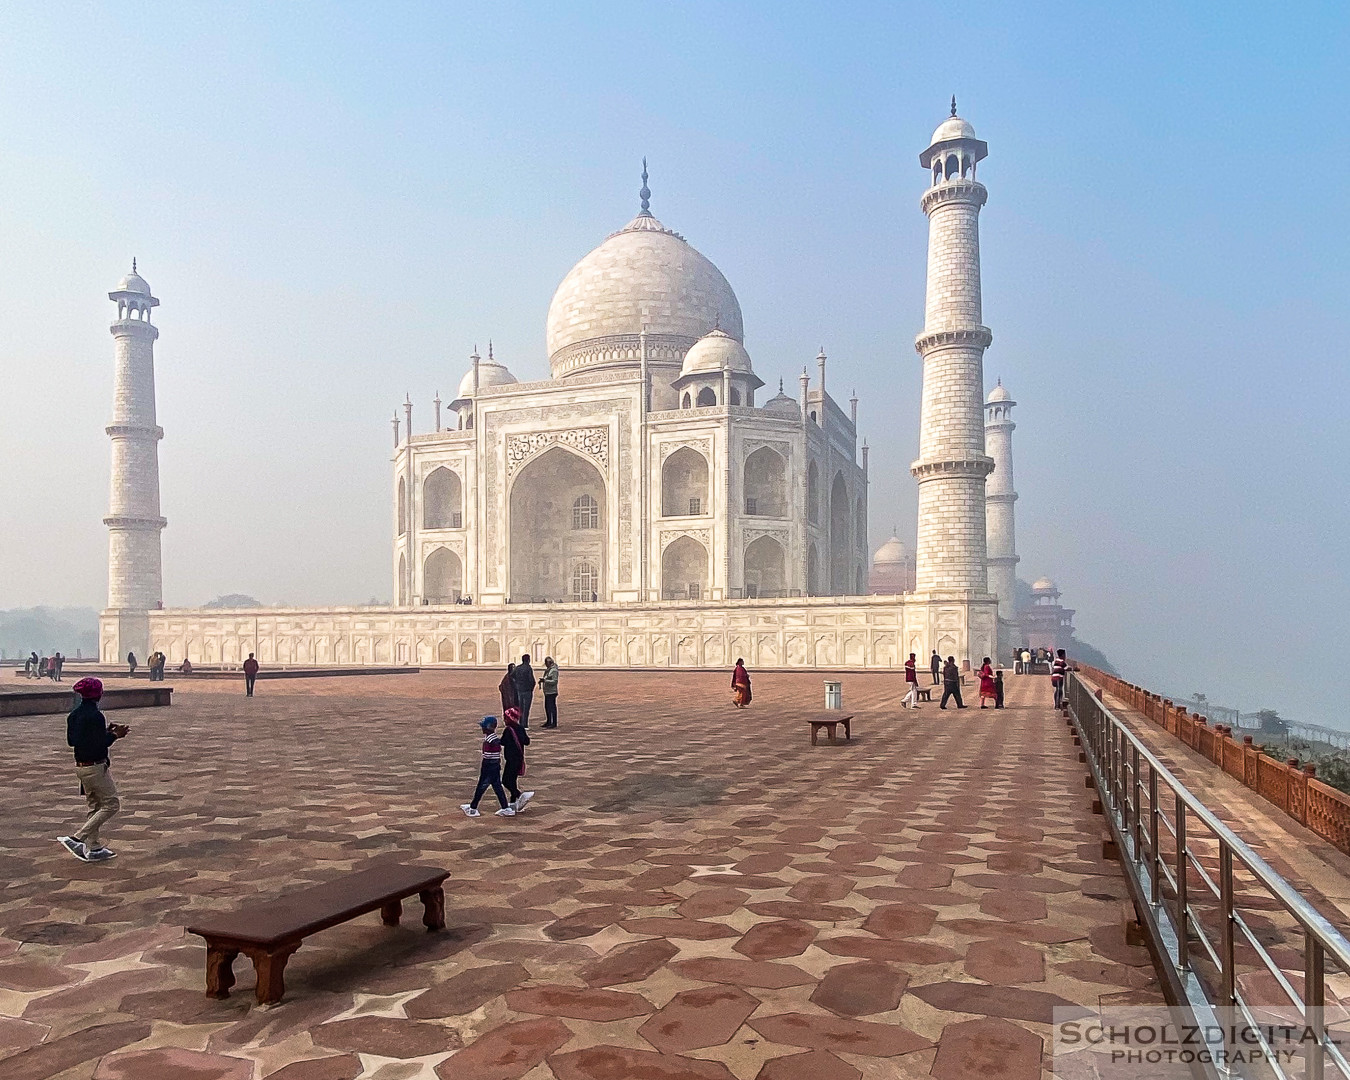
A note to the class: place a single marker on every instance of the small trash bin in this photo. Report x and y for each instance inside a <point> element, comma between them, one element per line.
<point>834,695</point>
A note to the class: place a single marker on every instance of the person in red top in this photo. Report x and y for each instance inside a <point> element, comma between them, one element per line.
<point>740,685</point>
<point>911,683</point>
<point>250,675</point>
<point>988,692</point>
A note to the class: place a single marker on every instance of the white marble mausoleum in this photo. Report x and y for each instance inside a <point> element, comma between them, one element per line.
<point>648,504</point>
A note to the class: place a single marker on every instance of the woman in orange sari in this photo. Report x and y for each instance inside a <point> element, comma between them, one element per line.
<point>740,685</point>
<point>988,691</point>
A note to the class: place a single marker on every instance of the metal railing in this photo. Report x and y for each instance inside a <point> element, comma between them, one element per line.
<point>1214,910</point>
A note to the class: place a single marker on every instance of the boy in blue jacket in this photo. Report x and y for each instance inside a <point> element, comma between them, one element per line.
<point>490,772</point>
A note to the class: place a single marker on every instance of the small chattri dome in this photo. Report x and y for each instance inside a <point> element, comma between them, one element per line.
<point>998,393</point>
<point>953,128</point>
<point>490,373</point>
<point>783,406</point>
<point>892,551</point>
<point>716,351</point>
<point>1043,585</point>
<point>133,283</point>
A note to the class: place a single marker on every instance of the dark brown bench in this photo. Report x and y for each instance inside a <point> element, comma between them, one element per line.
<point>832,722</point>
<point>925,693</point>
<point>268,932</point>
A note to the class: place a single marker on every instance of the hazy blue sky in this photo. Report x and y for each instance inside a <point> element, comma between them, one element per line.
<point>334,203</point>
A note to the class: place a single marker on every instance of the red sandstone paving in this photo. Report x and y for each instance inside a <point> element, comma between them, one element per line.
<point>701,881</point>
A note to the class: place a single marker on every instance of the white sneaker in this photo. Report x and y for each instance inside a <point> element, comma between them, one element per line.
<point>470,811</point>
<point>75,847</point>
<point>506,811</point>
<point>100,854</point>
<point>525,797</point>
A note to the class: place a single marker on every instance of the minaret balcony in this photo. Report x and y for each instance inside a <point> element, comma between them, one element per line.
<point>131,431</point>
<point>976,467</point>
<point>978,337</point>
<point>136,523</point>
<point>954,191</point>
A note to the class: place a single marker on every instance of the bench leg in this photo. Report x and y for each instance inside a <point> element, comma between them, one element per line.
<point>848,731</point>
<point>219,971</point>
<point>834,734</point>
<point>433,908</point>
<point>391,912</point>
<point>271,969</point>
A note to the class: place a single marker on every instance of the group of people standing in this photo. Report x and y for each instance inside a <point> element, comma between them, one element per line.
<point>518,685</point>
<point>502,761</point>
<point>949,675</point>
<point>44,667</point>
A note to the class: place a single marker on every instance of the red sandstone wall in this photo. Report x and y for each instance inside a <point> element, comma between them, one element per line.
<point>1294,790</point>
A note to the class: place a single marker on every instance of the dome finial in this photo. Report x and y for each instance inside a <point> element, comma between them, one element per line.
<point>490,351</point>
<point>133,264</point>
<point>645,194</point>
<point>953,104</point>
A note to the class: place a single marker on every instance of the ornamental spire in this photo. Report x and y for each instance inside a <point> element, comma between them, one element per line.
<point>645,193</point>
<point>953,104</point>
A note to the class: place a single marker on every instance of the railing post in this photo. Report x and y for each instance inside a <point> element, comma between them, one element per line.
<point>1227,974</point>
<point>1154,812</point>
<point>1314,998</point>
<point>1183,904</point>
<point>1137,782</point>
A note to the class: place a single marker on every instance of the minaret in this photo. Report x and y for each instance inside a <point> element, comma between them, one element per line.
<point>952,463</point>
<point>999,497</point>
<point>135,582</point>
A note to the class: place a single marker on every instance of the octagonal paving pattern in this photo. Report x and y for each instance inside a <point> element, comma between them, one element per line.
<point>695,892</point>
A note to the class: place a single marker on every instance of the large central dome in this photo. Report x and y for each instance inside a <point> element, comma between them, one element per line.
<point>643,277</point>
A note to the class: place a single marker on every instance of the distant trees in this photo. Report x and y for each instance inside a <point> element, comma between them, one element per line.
<point>233,600</point>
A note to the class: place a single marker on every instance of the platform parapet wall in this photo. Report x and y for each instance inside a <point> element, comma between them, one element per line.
<point>1291,787</point>
<point>819,632</point>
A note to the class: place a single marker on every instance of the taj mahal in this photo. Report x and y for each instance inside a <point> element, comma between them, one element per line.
<point>652,503</point>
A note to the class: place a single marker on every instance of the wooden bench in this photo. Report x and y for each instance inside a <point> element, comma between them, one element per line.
<point>270,931</point>
<point>831,721</point>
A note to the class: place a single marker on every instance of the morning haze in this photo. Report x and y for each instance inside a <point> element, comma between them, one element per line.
<point>335,215</point>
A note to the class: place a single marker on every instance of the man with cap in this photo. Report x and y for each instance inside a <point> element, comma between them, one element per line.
<point>89,734</point>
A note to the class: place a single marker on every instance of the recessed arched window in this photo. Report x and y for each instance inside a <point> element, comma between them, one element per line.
<point>688,402</point>
<point>735,396</point>
<point>586,513</point>
<point>706,397</point>
<point>585,580</point>
<point>953,166</point>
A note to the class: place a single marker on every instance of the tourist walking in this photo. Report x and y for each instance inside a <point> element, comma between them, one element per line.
<point>935,666</point>
<point>951,683</point>
<point>523,680</point>
<point>131,664</point>
<point>740,685</point>
<point>911,683</point>
<point>58,662</point>
<point>514,741</point>
<point>490,771</point>
<point>89,734</point>
<point>987,689</point>
<point>549,685</point>
<point>998,689</point>
<point>1057,671</point>
<point>507,688</point>
<point>250,675</point>
<point>30,666</point>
